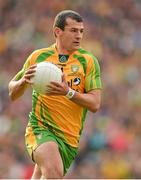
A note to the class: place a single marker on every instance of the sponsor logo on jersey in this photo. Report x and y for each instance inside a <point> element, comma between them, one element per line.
<point>77,81</point>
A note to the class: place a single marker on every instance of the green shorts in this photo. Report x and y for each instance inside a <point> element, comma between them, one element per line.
<point>37,136</point>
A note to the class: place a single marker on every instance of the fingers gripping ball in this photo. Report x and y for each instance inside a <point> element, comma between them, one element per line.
<point>45,73</point>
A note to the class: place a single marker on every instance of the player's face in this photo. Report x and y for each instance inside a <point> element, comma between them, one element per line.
<point>71,37</point>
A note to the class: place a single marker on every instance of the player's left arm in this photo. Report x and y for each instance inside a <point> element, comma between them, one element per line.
<point>93,86</point>
<point>91,99</point>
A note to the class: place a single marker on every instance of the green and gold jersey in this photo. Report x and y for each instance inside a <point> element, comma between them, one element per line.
<point>57,113</point>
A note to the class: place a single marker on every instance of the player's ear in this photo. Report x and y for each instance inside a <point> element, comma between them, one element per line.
<point>57,31</point>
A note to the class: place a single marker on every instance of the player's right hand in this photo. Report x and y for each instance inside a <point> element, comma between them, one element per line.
<point>29,73</point>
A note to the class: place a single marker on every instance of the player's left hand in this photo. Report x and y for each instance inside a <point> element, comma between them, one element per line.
<point>55,88</point>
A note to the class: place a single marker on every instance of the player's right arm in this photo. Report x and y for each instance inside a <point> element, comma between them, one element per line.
<point>20,82</point>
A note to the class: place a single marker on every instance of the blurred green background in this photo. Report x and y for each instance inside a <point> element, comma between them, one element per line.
<point>110,146</point>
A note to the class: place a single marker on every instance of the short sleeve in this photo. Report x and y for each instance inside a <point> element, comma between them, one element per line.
<point>93,79</point>
<point>26,65</point>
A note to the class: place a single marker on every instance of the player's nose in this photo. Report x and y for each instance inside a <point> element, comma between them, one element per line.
<point>79,35</point>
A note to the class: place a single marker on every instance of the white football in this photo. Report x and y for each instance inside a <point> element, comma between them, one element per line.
<point>45,73</point>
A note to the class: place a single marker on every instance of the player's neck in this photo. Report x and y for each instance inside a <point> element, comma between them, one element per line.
<point>61,50</point>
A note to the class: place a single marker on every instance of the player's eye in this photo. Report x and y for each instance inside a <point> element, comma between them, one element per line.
<point>77,30</point>
<point>74,30</point>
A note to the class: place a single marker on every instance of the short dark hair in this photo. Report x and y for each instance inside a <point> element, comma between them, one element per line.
<point>60,19</point>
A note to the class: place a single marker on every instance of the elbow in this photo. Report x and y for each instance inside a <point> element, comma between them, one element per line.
<point>12,95</point>
<point>12,98</point>
<point>95,108</point>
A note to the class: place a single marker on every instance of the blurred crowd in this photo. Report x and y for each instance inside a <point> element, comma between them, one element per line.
<point>110,146</point>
